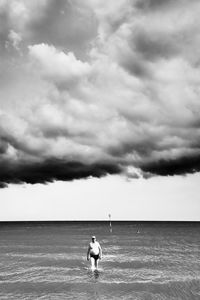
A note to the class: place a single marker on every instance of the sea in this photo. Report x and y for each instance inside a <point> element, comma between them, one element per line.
<point>141,260</point>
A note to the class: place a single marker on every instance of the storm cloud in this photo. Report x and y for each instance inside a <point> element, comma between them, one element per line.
<point>90,88</point>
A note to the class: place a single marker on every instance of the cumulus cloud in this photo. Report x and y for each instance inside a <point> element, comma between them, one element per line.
<point>96,88</point>
<point>57,65</point>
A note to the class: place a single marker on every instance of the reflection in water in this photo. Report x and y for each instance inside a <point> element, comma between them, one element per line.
<point>96,274</point>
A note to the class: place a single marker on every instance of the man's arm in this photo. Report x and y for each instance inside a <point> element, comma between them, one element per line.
<point>100,252</point>
<point>88,253</point>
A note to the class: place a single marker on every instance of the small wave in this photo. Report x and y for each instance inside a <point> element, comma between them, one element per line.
<point>54,256</point>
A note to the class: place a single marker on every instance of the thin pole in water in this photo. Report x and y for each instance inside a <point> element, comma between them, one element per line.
<point>110,223</point>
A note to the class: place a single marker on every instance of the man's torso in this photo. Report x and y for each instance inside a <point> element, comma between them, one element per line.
<point>94,248</point>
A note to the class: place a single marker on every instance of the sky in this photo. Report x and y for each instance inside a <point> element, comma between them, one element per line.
<point>99,110</point>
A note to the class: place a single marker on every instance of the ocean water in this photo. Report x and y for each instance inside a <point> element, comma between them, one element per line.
<point>141,260</point>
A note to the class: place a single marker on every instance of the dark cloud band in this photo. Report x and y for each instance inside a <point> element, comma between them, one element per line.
<point>180,166</point>
<point>55,169</point>
<point>50,170</point>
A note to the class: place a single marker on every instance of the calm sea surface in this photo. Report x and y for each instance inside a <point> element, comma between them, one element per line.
<point>48,261</point>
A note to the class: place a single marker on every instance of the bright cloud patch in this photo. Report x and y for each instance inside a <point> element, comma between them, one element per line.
<point>58,65</point>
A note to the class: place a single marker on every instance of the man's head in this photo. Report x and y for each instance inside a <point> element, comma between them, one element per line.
<point>93,238</point>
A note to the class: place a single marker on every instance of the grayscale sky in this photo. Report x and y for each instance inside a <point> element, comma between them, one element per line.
<point>99,109</point>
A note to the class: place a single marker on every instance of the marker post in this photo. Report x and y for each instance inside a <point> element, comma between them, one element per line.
<point>110,223</point>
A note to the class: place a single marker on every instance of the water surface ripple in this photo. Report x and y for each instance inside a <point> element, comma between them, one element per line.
<point>48,261</point>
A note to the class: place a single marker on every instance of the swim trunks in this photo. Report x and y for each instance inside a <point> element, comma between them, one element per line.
<point>95,256</point>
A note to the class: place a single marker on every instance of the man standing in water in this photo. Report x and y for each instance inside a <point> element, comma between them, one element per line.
<point>94,253</point>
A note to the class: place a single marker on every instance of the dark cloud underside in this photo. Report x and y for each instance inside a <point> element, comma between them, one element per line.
<point>50,170</point>
<point>180,166</point>
<point>55,169</point>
